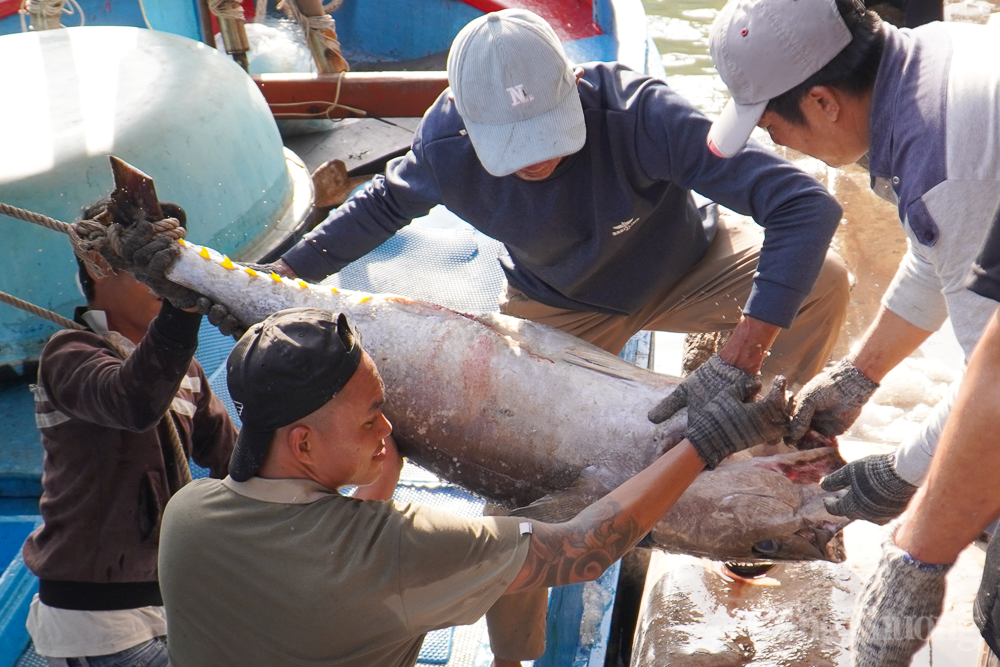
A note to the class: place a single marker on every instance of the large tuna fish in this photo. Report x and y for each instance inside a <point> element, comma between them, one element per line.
<point>523,414</point>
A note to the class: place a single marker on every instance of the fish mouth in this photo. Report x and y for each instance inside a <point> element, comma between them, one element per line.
<point>747,569</point>
<point>816,541</point>
<point>824,540</point>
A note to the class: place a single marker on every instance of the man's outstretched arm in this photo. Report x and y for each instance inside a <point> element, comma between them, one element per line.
<point>583,548</point>
<point>959,498</point>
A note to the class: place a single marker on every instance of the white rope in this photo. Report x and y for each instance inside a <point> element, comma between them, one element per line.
<point>308,23</point>
<point>142,8</point>
<point>226,9</point>
<point>260,11</point>
<point>323,24</point>
<point>330,106</point>
<point>49,9</point>
<point>69,11</point>
<point>38,311</point>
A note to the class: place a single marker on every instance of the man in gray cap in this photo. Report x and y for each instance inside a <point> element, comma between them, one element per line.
<point>586,176</point>
<point>828,78</point>
<point>272,566</point>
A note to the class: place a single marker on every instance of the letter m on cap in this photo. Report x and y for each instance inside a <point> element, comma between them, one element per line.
<point>518,96</point>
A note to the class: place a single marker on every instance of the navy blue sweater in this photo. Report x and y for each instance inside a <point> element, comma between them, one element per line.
<point>615,224</point>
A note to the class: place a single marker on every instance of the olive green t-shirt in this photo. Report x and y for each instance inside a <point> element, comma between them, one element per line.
<point>287,572</point>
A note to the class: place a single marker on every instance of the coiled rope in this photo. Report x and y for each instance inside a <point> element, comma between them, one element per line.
<point>48,10</point>
<point>226,9</point>
<point>322,27</point>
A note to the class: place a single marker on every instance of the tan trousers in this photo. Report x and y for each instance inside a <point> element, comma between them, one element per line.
<point>709,298</point>
<point>516,623</point>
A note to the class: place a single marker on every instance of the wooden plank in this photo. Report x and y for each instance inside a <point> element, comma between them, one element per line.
<point>363,144</point>
<point>351,95</point>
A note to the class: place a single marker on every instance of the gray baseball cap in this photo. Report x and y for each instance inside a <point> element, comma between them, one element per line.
<point>763,48</point>
<point>516,91</point>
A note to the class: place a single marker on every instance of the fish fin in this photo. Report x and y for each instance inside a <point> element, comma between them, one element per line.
<point>602,362</point>
<point>566,504</point>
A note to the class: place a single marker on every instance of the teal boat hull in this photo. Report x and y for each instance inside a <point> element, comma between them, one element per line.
<point>180,109</point>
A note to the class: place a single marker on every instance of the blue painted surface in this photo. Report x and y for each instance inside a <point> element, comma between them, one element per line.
<point>604,15</point>
<point>578,622</point>
<point>599,48</point>
<point>179,17</point>
<point>21,460</point>
<point>400,29</point>
<point>17,586</point>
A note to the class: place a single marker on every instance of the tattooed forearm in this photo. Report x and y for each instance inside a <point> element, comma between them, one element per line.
<point>581,549</point>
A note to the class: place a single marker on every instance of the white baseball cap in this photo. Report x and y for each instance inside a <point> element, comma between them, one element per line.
<point>764,48</point>
<point>516,91</point>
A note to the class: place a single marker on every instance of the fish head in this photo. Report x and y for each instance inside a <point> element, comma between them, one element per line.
<point>763,509</point>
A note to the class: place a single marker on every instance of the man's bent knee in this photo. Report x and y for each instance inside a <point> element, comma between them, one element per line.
<point>516,625</point>
<point>834,281</point>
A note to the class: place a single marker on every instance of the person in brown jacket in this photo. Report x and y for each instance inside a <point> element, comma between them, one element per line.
<point>109,403</point>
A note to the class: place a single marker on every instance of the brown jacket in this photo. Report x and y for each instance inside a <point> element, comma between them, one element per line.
<point>108,469</point>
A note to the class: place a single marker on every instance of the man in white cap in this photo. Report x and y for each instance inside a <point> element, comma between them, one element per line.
<point>829,79</point>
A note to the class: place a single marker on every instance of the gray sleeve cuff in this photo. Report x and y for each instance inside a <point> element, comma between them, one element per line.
<point>914,456</point>
<point>915,294</point>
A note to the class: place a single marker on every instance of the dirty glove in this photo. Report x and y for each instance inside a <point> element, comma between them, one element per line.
<point>831,401</point>
<point>161,253</point>
<point>697,389</point>
<point>221,317</point>
<point>135,247</point>
<point>875,493</point>
<point>733,421</point>
<point>146,250</point>
<point>897,609</point>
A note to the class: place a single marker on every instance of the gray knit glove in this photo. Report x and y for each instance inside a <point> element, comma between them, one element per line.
<point>697,389</point>
<point>897,609</point>
<point>875,493</point>
<point>220,316</point>
<point>146,250</point>
<point>831,401</point>
<point>733,421</point>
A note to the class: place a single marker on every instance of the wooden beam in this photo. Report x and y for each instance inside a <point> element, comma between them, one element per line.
<point>352,94</point>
